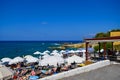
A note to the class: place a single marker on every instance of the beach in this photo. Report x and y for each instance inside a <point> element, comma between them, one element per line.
<point>46,64</point>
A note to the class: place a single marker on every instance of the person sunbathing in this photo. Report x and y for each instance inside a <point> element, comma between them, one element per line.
<point>33,73</point>
<point>64,67</point>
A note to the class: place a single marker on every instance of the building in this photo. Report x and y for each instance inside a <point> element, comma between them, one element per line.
<point>114,34</point>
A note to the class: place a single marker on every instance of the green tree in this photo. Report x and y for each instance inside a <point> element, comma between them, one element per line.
<point>109,44</point>
<point>100,35</point>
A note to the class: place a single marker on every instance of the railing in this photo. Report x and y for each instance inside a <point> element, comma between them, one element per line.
<point>78,70</point>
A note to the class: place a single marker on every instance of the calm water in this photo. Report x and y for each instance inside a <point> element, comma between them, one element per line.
<point>19,48</point>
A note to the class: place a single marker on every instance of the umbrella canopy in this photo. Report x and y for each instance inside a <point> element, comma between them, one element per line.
<point>55,51</point>
<point>37,52</point>
<point>46,51</point>
<point>6,60</point>
<point>62,51</point>
<point>16,60</point>
<point>55,54</point>
<point>46,56</point>
<point>83,50</point>
<point>31,59</point>
<point>75,58</point>
<point>52,60</point>
<point>5,73</point>
<point>71,51</point>
<point>27,56</point>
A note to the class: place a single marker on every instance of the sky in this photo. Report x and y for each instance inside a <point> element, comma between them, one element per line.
<point>57,19</point>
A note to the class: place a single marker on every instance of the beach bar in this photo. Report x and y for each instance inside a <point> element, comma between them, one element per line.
<point>101,40</point>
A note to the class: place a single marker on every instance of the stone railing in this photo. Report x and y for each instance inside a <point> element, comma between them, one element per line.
<point>79,70</point>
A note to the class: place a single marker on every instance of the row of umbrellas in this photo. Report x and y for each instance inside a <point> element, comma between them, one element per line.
<point>65,51</point>
<point>47,59</point>
<point>28,59</point>
<point>54,57</point>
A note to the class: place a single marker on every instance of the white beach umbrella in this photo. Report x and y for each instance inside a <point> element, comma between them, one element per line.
<point>55,54</point>
<point>75,58</point>
<point>55,51</point>
<point>27,56</point>
<point>46,51</point>
<point>31,59</point>
<point>6,60</point>
<point>62,51</point>
<point>46,56</point>
<point>52,60</point>
<point>37,52</point>
<point>16,60</point>
<point>83,50</point>
<point>71,51</point>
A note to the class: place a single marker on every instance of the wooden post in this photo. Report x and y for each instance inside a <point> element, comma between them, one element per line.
<point>112,47</point>
<point>99,49</point>
<point>104,45</point>
<point>87,51</point>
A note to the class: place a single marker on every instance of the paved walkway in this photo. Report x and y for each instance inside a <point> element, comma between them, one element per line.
<point>111,72</point>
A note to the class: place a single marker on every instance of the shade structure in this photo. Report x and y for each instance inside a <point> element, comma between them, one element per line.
<point>46,51</point>
<point>46,56</point>
<point>16,60</point>
<point>37,52</point>
<point>31,59</point>
<point>6,60</point>
<point>55,54</point>
<point>71,51</point>
<point>52,60</point>
<point>62,51</point>
<point>27,56</point>
<point>55,51</point>
<point>75,58</point>
<point>5,73</point>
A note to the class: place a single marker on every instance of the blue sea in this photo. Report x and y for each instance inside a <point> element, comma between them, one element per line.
<point>12,49</point>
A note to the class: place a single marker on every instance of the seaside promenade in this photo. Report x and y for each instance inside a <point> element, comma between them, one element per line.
<point>110,72</point>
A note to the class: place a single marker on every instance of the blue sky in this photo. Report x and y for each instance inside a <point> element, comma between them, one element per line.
<point>57,19</point>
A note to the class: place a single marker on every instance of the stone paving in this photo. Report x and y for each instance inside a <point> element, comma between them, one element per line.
<point>111,72</point>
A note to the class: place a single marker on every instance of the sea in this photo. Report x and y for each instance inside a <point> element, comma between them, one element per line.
<point>13,49</point>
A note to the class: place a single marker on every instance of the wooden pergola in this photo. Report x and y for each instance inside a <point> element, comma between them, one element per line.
<point>99,40</point>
